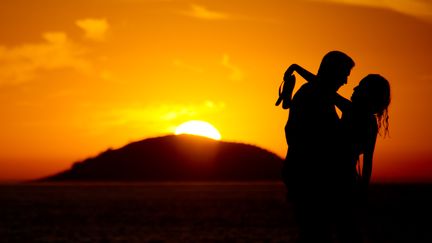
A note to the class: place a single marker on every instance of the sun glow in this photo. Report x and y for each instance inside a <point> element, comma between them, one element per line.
<point>200,128</point>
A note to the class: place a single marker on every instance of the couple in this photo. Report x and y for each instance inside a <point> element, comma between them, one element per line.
<point>322,169</point>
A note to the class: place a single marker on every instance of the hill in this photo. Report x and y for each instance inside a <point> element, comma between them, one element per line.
<point>177,158</point>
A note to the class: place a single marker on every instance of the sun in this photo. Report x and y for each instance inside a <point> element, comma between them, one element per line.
<point>200,128</point>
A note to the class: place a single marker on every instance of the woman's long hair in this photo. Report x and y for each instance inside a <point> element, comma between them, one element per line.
<point>379,93</point>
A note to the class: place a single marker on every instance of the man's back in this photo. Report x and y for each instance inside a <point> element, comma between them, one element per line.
<point>312,134</point>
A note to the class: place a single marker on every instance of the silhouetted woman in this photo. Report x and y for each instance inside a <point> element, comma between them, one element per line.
<point>363,118</point>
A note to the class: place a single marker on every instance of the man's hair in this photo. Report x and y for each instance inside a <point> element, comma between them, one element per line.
<point>334,62</point>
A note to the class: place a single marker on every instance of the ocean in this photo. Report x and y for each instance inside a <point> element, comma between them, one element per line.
<point>192,212</point>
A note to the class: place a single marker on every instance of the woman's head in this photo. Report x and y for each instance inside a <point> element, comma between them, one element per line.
<point>373,95</point>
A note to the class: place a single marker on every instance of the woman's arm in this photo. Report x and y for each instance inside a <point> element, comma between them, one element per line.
<point>367,160</point>
<point>308,76</point>
<point>289,83</point>
<point>341,102</point>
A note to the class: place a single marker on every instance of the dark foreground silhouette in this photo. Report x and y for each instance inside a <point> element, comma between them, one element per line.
<point>329,159</point>
<point>192,212</point>
<point>177,158</point>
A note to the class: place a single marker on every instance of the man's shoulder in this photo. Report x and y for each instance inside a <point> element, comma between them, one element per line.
<point>306,86</point>
<point>306,89</point>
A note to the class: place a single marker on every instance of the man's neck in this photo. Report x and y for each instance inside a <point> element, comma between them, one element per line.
<point>323,87</point>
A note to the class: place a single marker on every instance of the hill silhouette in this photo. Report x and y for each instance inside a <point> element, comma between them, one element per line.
<point>176,158</point>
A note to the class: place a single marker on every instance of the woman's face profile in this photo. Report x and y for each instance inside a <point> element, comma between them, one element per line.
<point>358,94</point>
<point>362,95</point>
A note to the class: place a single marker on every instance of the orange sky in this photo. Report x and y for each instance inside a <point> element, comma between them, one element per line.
<point>78,77</point>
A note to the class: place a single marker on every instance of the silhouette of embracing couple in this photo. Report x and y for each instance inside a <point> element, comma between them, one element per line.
<point>329,160</point>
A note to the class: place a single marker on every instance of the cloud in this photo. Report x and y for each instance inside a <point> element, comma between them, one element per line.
<point>202,12</point>
<point>175,112</point>
<point>20,64</point>
<point>161,117</point>
<point>417,8</point>
<point>94,29</point>
<point>106,75</point>
<point>181,64</point>
<point>235,73</point>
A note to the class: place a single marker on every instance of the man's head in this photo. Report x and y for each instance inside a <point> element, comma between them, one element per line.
<point>334,69</point>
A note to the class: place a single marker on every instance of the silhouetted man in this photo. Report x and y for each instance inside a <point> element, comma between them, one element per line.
<point>313,136</point>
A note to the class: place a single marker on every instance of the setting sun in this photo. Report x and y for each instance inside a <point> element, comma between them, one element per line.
<point>200,128</point>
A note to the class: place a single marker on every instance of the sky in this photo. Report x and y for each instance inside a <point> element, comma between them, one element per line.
<point>79,77</point>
